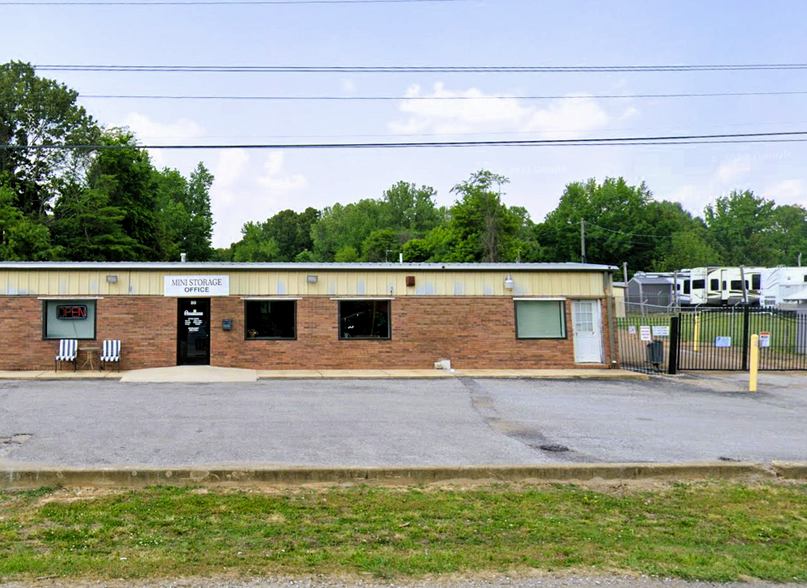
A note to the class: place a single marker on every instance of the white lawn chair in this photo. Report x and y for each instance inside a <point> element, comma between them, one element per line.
<point>68,351</point>
<point>110,351</point>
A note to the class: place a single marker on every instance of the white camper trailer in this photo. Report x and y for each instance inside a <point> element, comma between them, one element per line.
<point>721,286</point>
<point>779,283</point>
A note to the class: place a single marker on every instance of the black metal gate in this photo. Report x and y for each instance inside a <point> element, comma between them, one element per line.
<point>713,339</point>
<point>645,343</point>
<point>720,339</point>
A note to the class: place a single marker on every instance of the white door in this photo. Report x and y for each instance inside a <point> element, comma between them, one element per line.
<point>587,331</point>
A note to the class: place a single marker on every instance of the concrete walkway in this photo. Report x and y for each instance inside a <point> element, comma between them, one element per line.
<point>206,373</point>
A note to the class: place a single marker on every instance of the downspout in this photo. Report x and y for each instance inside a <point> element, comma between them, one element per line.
<point>609,312</point>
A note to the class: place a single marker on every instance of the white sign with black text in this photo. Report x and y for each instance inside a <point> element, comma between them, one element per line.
<point>196,286</point>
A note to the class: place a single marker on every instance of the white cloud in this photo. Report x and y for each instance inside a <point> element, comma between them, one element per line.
<point>275,180</point>
<point>731,170</point>
<point>230,167</point>
<point>474,111</point>
<point>569,119</point>
<point>151,132</point>
<point>242,193</point>
<point>228,189</point>
<point>349,86</point>
<point>692,197</point>
<point>788,192</point>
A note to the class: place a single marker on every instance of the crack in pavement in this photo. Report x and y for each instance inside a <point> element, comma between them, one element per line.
<point>484,404</point>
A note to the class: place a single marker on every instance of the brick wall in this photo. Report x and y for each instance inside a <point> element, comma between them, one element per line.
<point>473,332</point>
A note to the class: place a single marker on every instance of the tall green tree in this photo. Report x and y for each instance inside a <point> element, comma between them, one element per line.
<point>198,241</point>
<point>381,245</point>
<point>481,227</point>
<point>617,224</point>
<point>678,239</point>
<point>341,226</point>
<point>126,176</point>
<point>22,239</point>
<point>254,246</point>
<point>410,211</point>
<point>184,213</point>
<point>789,233</point>
<point>286,236</point>
<point>88,228</point>
<point>742,224</point>
<point>171,189</point>
<point>37,112</point>
<point>292,231</point>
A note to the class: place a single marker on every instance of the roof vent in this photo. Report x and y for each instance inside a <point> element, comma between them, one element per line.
<point>183,257</point>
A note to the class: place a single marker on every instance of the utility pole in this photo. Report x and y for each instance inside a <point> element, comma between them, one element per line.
<point>625,272</point>
<point>583,239</point>
<point>799,259</point>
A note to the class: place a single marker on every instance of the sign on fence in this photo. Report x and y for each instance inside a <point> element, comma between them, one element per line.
<point>722,341</point>
<point>764,339</point>
<point>661,331</point>
<point>644,333</point>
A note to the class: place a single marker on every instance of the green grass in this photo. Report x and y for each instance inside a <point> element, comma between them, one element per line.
<point>716,532</point>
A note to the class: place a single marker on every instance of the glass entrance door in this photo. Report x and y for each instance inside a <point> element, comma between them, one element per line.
<point>193,323</point>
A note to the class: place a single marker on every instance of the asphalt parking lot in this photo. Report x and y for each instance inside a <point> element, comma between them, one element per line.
<point>397,422</point>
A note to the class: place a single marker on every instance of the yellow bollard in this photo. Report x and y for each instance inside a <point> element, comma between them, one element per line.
<point>752,381</point>
<point>696,332</point>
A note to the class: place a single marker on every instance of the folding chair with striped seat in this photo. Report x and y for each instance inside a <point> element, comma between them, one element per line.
<point>68,351</point>
<point>110,351</point>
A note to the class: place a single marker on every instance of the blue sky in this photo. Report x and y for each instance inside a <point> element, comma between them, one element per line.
<point>254,185</point>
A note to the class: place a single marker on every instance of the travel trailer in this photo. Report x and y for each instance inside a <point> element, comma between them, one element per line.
<point>781,282</point>
<point>721,286</point>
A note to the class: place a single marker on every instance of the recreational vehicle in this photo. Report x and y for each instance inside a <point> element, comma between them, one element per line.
<point>721,286</point>
<point>779,283</point>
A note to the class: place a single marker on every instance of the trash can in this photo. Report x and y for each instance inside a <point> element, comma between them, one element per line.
<point>655,353</point>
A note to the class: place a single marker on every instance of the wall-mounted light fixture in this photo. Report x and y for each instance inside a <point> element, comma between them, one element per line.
<point>112,279</point>
<point>311,279</point>
<point>508,283</point>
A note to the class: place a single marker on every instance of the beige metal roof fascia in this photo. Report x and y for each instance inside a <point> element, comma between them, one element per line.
<point>348,298</point>
<point>271,298</point>
<point>77,297</point>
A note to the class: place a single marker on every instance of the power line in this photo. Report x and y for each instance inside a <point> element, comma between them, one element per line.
<point>420,98</point>
<point>777,137</point>
<point>226,2</point>
<point>629,234</point>
<point>417,68</point>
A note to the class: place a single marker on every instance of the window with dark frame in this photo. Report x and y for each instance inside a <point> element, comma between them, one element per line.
<point>698,284</point>
<point>540,319</point>
<point>68,319</point>
<point>270,319</point>
<point>756,281</point>
<point>714,285</point>
<point>364,319</point>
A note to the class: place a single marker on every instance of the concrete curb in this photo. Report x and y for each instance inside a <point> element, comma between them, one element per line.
<point>394,476</point>
<point>789,470</point>
<point>211,374</point>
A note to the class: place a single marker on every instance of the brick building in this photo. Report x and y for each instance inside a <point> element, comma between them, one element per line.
<point>310,316</point>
